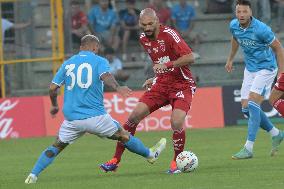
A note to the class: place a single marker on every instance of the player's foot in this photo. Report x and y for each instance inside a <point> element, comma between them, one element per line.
<point>276,140</point>
<point>31,179</point>
<point>173,168</point>
<point>111,165</point>
<point>156,150</point>
<point>243,154</point>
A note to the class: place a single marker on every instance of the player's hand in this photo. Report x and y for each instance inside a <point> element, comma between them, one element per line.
<point>54,110</point>
<point>124,91</point>
<point>159,68</point>
<point>148,83</point>
<point>229,66</point>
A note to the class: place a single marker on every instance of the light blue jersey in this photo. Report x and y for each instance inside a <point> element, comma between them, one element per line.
<point>255,41</point>
<point>183,16</point>
<point>83,93</point>
<point>102,21</point>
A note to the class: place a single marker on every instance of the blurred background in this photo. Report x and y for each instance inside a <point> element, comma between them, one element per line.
<point>37,35</point>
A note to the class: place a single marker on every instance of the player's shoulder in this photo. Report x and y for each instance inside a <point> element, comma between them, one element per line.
<point>259,27</point>
<point>234,23</point>
<point>170,33</point>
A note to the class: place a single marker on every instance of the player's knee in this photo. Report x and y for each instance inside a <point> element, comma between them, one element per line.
<point>272,100</point>
<point>176,123</point>
<point>49,153</point>
<point>135,117</point>
<point>122,136</point>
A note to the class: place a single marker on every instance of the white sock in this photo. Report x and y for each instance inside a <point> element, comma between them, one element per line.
<point>249,145</point>
<point>151,154</point>
<point>274,131</point>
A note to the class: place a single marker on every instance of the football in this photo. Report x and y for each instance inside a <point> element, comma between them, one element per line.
<point>187,161</point>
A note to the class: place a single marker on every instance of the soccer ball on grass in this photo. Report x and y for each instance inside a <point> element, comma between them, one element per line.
<point>187,161</point>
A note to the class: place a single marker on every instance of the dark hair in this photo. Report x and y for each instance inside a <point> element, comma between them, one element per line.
<point>243,2</point>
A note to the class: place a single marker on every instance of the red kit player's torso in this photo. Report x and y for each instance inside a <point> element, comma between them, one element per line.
<point>168,46</point>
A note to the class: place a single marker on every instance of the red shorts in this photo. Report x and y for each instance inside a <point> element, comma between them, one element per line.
<point>279,85</point>
<point>159,96</point>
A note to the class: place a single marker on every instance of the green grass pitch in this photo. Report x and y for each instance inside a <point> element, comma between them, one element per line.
<point>77,166</point>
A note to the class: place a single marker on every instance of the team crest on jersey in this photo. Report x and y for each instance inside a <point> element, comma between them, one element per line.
<point>162,45</point>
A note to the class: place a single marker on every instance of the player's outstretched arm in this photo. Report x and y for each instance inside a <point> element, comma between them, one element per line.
<point>184,60</point>
<point>279,51</point>
<point>234,50</point>
<point>53,98</point>
<point>110,81</point>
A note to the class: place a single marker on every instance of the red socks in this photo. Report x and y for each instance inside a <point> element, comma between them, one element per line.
<point>178,141</point>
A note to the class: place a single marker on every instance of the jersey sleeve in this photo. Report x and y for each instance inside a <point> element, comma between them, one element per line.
<point>177,43</point>
<point>266,35</point>
<point>59,78</point>
<point>103,67</point>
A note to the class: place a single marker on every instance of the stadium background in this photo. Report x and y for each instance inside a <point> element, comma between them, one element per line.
<point>33,54</point>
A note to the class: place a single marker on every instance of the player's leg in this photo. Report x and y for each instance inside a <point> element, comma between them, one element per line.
<point>265,123</point>
<point>135,145</point>
<point>258,84</point>
<point>138,114</point>
<point>44,160</point>
<point>276,98</point>
<point>181,103</point>
<point>68,133</point>
<point>149,102</point>
<point>105,126</point>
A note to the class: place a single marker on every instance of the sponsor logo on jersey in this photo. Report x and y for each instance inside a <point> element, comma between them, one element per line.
<point>162,45</point>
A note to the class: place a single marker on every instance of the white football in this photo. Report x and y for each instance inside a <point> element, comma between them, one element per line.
<point>187,161</point>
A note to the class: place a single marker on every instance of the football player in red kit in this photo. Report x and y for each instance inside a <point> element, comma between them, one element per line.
<point>173,83</point>
<point>276,98</point>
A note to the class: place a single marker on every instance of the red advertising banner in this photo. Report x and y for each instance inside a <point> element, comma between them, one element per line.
<point>29,116</point>
<point>21,117</point>
<point>206,111</point>
<point>52,124</point>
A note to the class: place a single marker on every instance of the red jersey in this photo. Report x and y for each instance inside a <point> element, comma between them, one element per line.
<point>169,46</point>
<point>78,20</point>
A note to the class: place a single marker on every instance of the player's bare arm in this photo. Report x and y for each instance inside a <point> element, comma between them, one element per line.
<point>182,61</point>
<point>234,50</point>
<point>277,48</point>
<point>110,81</point>
<point>53,98</point>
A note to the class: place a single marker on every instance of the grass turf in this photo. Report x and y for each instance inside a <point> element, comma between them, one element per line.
<point>77,166</point>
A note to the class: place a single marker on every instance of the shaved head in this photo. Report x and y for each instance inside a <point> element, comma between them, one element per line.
<point>90,43</point>
<point>149,22</point>
<point>149,13</point>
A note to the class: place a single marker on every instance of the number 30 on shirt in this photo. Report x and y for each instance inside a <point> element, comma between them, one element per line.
<point>70,73</point>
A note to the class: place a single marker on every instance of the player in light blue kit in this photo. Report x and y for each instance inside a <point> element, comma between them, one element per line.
<point>84,75</point>
<point>262,52</point>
